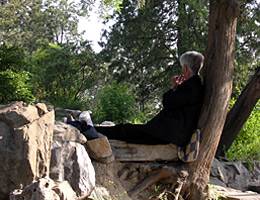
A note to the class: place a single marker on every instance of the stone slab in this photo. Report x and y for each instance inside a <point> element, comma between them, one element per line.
<point>137,152</point>
<point>233,194</point>
<point>241,196</point>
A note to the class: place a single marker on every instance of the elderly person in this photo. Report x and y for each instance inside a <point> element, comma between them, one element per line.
<point>177,120</point>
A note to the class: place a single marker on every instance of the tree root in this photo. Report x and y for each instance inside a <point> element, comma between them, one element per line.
<point>160,174</point>
<point>182,176</point>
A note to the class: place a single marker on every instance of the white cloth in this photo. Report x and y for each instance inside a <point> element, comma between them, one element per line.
<point>85,116</point>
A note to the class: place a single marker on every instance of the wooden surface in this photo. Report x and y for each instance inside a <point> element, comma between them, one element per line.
<point>137,152</point>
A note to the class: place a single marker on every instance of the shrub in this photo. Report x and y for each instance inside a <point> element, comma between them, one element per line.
<point>115,102</point>
<point>66,102</point>
<point>63,74</point>
<point>247,144</point>
<point>12,57</point>
<point>14,86</point>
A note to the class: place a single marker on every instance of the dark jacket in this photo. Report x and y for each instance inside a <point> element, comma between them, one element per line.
<point>179,116</point>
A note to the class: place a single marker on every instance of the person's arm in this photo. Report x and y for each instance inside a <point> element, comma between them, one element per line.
<point>177,80</point>
<point>174,99</point>
<point>184,95</point>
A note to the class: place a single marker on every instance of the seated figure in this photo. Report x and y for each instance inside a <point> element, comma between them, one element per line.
<point>177,120</point>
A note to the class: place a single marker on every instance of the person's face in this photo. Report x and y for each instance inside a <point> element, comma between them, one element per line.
<point>183,69</point>
<point>186,72</point>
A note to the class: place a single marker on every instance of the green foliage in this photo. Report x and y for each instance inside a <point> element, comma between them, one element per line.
<point>140,118</point>
<point>62,74</point>
<point>15,86</point>
<point>116,4</point>
<point>29,24</point>
<point>14,82</point>
<point>144,44</point>
<point>214,193</point>
<point>12,58</point>
<point>115,102</point>
<point>247,144</point>
<point>191,25</point>
<point>247,44</point>
<point>141,47</point>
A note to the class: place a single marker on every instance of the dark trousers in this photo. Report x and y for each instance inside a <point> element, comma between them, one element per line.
<point>131,133</point>
<point>88,131</point>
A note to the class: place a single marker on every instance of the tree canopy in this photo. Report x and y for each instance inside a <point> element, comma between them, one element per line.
<point>42,50</point>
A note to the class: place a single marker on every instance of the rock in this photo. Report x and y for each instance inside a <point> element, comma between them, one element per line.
<point>100,193</point>
<point>137,152</point>
<point>234,174</point>
<point>64,133</point>
<point>18,114</point>
<point>107,123</point>
<point>25,145</point>
<point>42,108</point>
<point>71,162</point>
<point>108,185</point>
<point>254,186</point>
<point>232,194</point>
<point>238,175</point>
<point>218,171</point>
<point>99,149</point>
<point>255,171</point>
<point>45,189</point>
<point>60,113</point>
<point>239,196</point>
<point>216,181</point>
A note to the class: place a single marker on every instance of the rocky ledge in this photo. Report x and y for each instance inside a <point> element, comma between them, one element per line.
<point>44,159</point>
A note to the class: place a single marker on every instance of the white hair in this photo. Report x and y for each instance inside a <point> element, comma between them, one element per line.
<point>193,59</point>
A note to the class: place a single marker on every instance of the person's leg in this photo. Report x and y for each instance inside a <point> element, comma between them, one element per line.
<point>88,131</point>
<point>91,133</point>
<point>77,124</point>
<point>131,133</point>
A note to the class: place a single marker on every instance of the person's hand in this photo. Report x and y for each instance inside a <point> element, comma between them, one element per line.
<point>177,80</point>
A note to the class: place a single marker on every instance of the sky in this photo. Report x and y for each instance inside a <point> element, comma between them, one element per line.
<point>93,26</point>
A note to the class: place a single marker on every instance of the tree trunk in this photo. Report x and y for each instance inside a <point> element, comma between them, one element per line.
<point>218,82</point>
<point>239,113</point>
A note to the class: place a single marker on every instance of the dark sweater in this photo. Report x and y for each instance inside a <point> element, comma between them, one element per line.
<point>179,116</point>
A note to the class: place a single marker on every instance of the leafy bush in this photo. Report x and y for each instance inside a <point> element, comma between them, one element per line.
<point>62,74</point>
<point>115,103</point>
<point>74,104</point>
<point>247,144</point>
<point>11,58</point>
<point>140,118</point>
<point>15,86</point>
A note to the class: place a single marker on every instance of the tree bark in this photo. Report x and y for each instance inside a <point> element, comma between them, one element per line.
<point>239,113</point>
<point>218,86</point>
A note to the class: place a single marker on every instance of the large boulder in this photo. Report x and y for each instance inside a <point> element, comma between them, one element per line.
<point>218,174</point>
<point>238,175</point>
<point>108,184</point>
<point>67,133</point>
<point>70,161</point>
<point>235,175</point>
<point>25,144</point>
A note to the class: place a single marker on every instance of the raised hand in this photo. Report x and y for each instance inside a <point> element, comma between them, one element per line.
<point>177,80</point>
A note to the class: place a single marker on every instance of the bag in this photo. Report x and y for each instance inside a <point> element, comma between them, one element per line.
<point>190,152</point>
